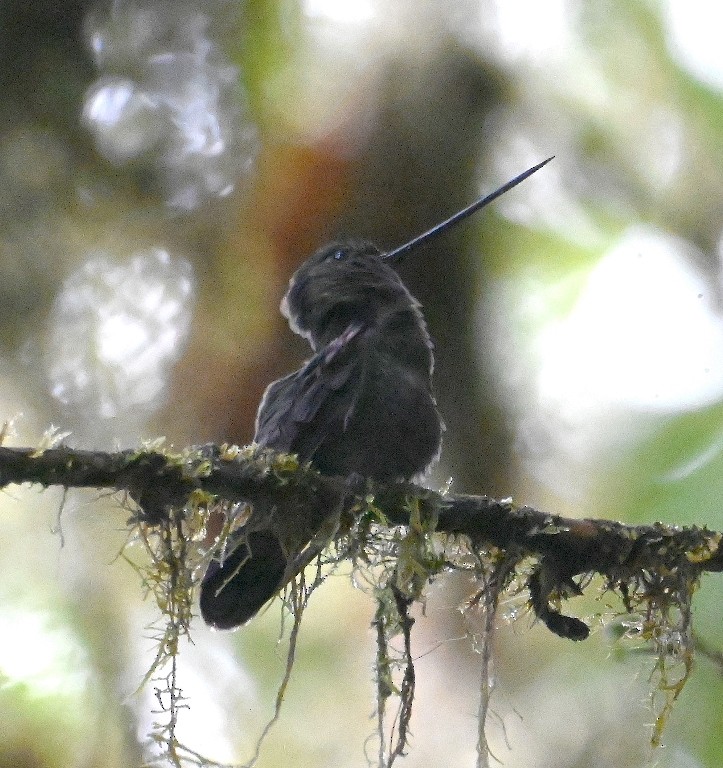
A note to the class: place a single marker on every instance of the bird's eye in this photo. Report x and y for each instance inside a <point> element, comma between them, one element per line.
<point>339,254</point>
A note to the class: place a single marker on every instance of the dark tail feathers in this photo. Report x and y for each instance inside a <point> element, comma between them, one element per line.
<point>255,582</point>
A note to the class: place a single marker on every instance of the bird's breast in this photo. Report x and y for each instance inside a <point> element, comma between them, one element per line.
<point>394,429</point>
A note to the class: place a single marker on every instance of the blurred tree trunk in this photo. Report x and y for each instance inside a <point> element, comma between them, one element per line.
<point>420,166</point>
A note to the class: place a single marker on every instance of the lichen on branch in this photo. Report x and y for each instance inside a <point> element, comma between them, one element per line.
<point>402,534</point>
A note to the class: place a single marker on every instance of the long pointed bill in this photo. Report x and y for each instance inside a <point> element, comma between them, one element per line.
<point>397,253</point>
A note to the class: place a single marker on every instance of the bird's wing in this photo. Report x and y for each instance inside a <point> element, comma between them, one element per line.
<point>299,410</point>
<point>295,415</point>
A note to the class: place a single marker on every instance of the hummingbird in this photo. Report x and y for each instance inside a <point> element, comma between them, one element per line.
<point>362,405</point>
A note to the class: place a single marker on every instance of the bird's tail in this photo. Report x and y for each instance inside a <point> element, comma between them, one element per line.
<point>235,589</point>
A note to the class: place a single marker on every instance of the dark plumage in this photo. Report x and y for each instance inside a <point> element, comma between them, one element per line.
<point>362,405</point>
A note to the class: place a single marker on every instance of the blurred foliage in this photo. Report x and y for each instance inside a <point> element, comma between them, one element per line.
<point>377,119</point>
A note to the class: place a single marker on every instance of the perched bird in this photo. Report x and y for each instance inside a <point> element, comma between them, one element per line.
<point>362,405</point>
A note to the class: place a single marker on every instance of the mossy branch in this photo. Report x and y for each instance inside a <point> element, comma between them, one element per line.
<point>410,532</point>
<point>160,481</point>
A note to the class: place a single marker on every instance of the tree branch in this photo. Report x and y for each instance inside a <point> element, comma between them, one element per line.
<point>645,556</point>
